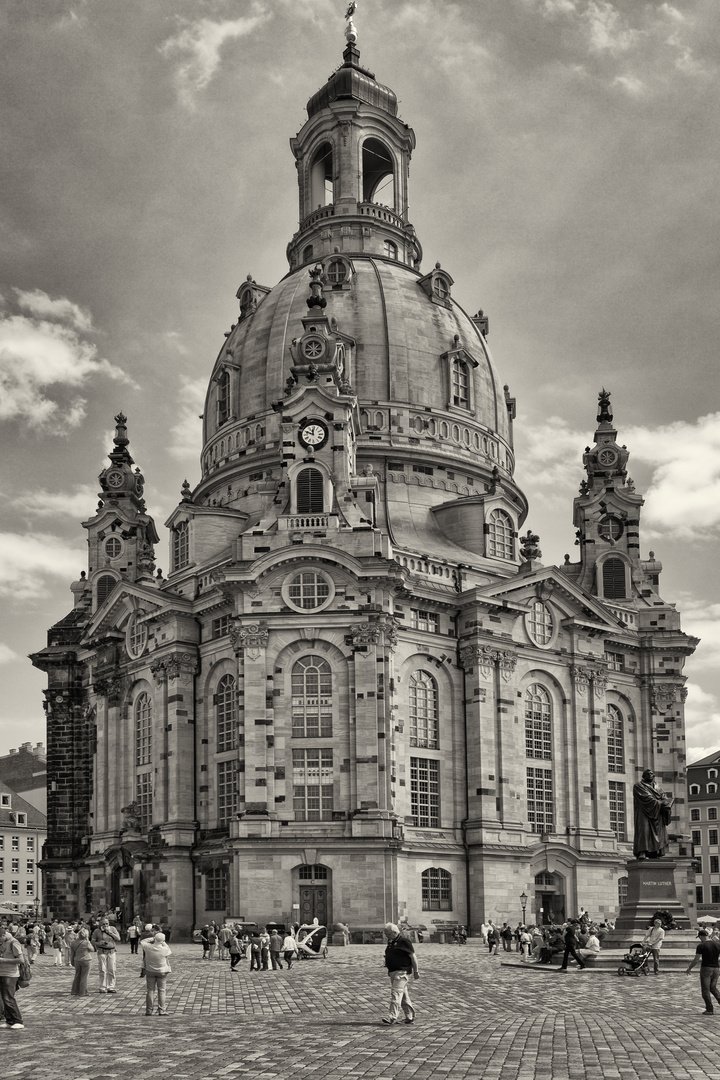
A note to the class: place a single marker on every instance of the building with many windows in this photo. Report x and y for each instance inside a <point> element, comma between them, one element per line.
<point>703,778</point>
<point>358,695</point>
<point>22,835</point>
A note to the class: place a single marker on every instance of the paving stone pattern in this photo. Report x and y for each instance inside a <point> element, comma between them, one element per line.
<point>476,1017</point>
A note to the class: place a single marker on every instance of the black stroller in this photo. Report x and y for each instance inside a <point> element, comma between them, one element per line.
<point>636,959</point>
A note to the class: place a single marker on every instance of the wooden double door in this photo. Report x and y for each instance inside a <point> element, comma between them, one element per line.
<point>314,904</point>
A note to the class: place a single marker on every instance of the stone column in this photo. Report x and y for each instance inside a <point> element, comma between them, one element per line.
<point>250,640</point>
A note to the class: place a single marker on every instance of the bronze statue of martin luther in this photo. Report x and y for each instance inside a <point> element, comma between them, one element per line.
<point>652,816</point>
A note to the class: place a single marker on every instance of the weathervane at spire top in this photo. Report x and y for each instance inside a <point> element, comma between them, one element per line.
<point>350,31</point>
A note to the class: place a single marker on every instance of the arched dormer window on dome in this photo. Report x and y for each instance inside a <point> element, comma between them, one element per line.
<point>500,535</point>
<point>181,545</point>
<point>105,586</point>
<point>322,192</point>
<point>614,579</point>
<point>460,384</point>
<point>378,173</point>
<point>337,272</point>
<point>309,490</point>
<point>223,397</point>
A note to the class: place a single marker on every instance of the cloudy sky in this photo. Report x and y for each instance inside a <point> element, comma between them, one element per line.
<point>565,174</point>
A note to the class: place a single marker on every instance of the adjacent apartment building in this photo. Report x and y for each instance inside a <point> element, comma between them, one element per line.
<point>704,805</point>
<point>23,831</point>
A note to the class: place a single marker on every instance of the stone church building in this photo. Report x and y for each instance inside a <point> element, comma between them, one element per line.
<point>358,695</point>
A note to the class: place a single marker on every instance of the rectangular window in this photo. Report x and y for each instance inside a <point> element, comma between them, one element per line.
<point>216,889</point>
<point>29,888</point>
<point>22,819</point>
<point>2,887</point>
<point>30,866</point>
<point>614,660</point>
<point>424,620</point>
<point>312,702</point>
<point>425,793</point>
<point>220,627</point>
<point>15,843</point>
<point>226,791</point>
<point>617,810</point>
<point>698,894</point>
<point>714,864</point>
<point>712,813</point>
<point>30,843</point>
<point>15,888</point>
<point>143,797</point>
<point>694,815</point>
<point>715,894</point>
<point>5,800</point>
<point>712,837</point>
<point>540,800</point>
<point>15,866</point>
<point>2,863</point>
<point>2,843</point>
<point>696,837</point>
<point>313,784</point>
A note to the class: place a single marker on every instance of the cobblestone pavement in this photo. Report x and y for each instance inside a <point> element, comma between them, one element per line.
<point>475,1018</point>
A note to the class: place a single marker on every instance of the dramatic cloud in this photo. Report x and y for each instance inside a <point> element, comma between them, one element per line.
<point>40,357</point>
<point>39,304</point>
<point>27,560</point>
<point>78,505</point>
<point>197,48</point>
<point>187,433</point>
<point>702,723</point>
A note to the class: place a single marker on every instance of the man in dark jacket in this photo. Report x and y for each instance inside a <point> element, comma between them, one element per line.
<point>400,962</point>
<point>571,948</point>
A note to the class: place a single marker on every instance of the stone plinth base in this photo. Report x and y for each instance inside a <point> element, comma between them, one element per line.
<point>651,887</point>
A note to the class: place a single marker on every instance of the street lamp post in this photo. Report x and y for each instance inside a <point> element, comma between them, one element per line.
<point>523,901</point>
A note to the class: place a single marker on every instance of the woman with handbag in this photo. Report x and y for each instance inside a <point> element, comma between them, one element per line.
<point>82,953</point>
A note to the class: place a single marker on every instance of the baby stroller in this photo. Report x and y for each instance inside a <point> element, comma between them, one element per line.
<point>637,960</point>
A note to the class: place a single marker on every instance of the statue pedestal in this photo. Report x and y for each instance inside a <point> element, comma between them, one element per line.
<point>651,888</point>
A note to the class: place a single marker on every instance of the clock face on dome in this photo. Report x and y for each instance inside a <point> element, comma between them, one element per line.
<point>313,434</point>
<point>114,479</point>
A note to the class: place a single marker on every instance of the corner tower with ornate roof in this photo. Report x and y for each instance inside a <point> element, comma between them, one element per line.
<point>357,696</point>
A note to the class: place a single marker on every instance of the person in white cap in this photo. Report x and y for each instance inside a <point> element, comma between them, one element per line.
<point>156,968</point>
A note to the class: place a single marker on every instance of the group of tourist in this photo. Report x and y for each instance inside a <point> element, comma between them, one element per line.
<point>267,947</point>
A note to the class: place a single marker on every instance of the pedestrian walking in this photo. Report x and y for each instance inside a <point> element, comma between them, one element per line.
<point>653,943</point>
<point>493,939</point>
<point>290,950</point>
<point>133,935</point>
<point>400,962</point>
<point>82,951</point>
<point>255,949</point>
<point>157,969</point>
<point>105,940</point>
<point>264,948</point>
<point>205,941</point>
<point>707,954</point>
<point>236,951</point>
<point>571,943</point>
<point>212,941</point>
<point>224,942</point>
<point>11,956</point>
<point>58,938</point>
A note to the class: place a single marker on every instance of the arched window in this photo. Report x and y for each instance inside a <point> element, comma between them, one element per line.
<point>378,177</point>
<point>613,573</point>
<point>436,890</point>
<point>312,703</point>
<point>181,545</point>
<point>105,586</point>
<point>308,253</point>
<point>423,710</point>
<point>313,872</point>
<point>460,383</point>
<point>622,890</point>
<point>223,397</point>
<point>143,759</point>
<point>321,178</point>
<point>226,714</point>
<point>694,789</point>
<point>390,250</point>
<point>711,789</point>
<point>615,740</point>
<point>337,271</point>
<point>310,494</point>
<point>441,288</point>
<point>500,535</point>
<point>538,723</point>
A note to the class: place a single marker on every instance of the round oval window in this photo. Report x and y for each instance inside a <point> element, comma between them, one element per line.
<point>113,547</point>
<point>309,590</point>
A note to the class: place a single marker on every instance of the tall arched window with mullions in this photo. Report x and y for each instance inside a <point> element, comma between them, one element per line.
<point>143,758</point>
<point>226,714</point>
<point>423,710</point>
<point>312,700</point>
<point>460,384</point>
<point>538,744</point>
<point>500,535</point>
<point>223,397</point>
<point>615,740</point>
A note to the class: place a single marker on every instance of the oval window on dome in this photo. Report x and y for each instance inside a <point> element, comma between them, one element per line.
<point>337,271</point>
<point>610,527</point>
<point>113,547</point>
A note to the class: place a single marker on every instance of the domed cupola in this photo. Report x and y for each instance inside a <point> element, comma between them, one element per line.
<point>353,156</point>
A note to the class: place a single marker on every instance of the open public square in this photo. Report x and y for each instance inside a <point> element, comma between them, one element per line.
<point>476,1017</point>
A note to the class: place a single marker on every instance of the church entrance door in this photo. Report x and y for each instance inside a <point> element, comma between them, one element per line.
<point>313,904</point>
